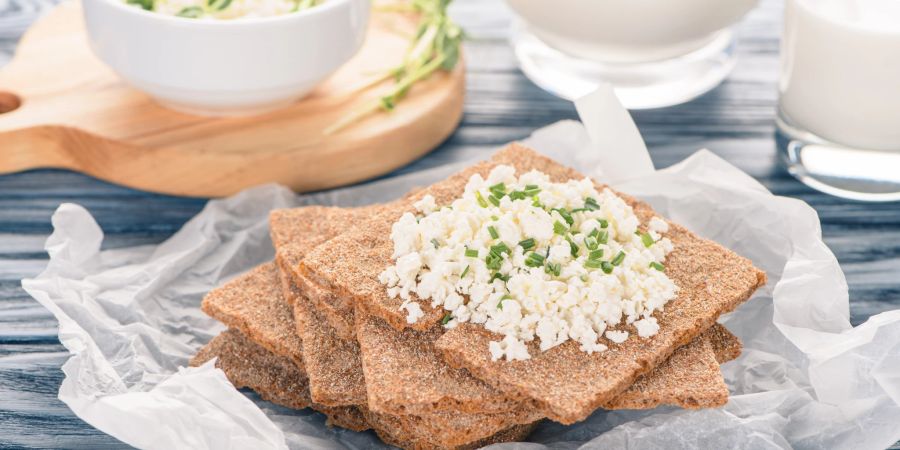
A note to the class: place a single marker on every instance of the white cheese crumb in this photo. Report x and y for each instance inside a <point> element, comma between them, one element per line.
<point>413,311</point>
<point>426,204</point>
<point>647,327</point>
<point>531,259</point>
<point>617,336</point>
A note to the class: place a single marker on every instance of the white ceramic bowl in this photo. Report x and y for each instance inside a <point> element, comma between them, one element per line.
<point>226,67</point>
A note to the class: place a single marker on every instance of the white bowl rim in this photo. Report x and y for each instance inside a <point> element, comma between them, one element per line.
<point>175,20</point>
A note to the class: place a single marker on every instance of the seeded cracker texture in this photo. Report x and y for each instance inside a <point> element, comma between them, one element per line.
<point>297,230</point>
<point>565,382</point>
<point>274,378</point>
<point>252,303</point>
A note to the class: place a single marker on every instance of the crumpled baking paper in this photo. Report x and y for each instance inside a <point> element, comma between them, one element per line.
<point>807,379</point>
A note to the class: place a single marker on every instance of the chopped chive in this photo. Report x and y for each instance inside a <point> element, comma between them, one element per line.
<point>591,243</point>
<point>498,190</point>
<point>495,218</point>
<point>493,261</point>
<point>534,260</point>
<point>481,201</point>
<point>535,202</point>
<point>493,232</point>
<point>573,249</point>
<point>499,276</point>
<point>647,239</point>
<point>603,237</point>
<point>594,233</point>
<point>471,253</point>
<point>436,243</point>
<point>603,223</point>
<point>531,187</point>
<point>464,272</point>
<point>527,244</point>
<point>606,266</point>
<point>446,319</point>
<point>590,204</point>
<point>190,12</point>
<point>658,266</point>
<point>500,248</point>
<point>596,254</point>
<point>618,259</point>
<point>565,215</point>
<point>500,303</point>
<point>517,195</point>
<point>593,264</point>
<point>553,268</point>
<point>494,200</point>
<point>559,228</point>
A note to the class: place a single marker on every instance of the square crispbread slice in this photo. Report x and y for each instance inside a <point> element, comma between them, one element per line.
<point>274,378</point>
<point>336,376</point>
<point>713,280</point>
<point>297,230</point>
<point>569,384</point>
<point>350,263</point>
<point>391,433</point>
<point>253,304</point>
<point>277,379</point>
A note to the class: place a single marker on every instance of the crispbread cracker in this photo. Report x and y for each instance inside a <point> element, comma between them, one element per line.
<point>274,378</point>
<point>388,432</point>
<point>349,264</point>
<point>567,383</point>
<point>278,380</point>
<point>295,231</point>
<point>726,345</point>
<point>252,303</point>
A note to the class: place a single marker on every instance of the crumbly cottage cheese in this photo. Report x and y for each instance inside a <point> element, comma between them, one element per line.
<point>529,258</point>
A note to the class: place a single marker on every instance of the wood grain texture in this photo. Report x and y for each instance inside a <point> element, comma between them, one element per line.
<point>92,122</point>
<point>735,121</point>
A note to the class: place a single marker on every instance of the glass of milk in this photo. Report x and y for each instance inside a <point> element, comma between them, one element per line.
<point>654,52</point>
<point>839,106</point>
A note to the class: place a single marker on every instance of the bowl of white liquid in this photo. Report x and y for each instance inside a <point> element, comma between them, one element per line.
<point>654,52</point>
<point>839,104</point>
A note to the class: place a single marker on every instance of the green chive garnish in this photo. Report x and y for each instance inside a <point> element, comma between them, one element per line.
<point>534,260</point>
<point>553,268</point>
<point>590,204</point>
<point>596,254</point>
<point>493,261</point>
<point>559,228</point>
<point>499,276</point>
<point>594,264</point>
<point>481,201</point>
<point>436,243</point>
<point>527,244</point>
<point>594,233</point>
<point>499,190</point>
<point>603,223</point>
<point>464,272</point>
<point>606,266</point>
<point>493,232</point>
<point>658,266</point>
<point>573,249</point>
<point>494,200</point>
<point>535,202</point>
<point>472,253</point>
<point>190,12</point>
<point>517,195</point>
<point>500,248</point>
<point>647,239</point>
<point>447,318</point>
<point>591,243</point>
<point>603,237</point>
<point>565,215</point>
<point>618,259</point>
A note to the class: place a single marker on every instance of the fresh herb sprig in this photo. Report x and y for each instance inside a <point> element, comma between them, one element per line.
<point>436,46</point>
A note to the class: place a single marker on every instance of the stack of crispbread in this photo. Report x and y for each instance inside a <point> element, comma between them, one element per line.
<point>317,329</point>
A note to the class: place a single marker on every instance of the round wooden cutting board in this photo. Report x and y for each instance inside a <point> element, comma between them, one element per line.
<point>61,107</point>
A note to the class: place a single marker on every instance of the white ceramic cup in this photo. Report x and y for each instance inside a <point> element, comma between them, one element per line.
<point>226,67</point>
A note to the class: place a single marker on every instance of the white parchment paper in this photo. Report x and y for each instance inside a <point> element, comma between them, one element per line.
<point>807,379</point>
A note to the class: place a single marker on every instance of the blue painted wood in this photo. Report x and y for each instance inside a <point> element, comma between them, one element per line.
<point>734,121</point>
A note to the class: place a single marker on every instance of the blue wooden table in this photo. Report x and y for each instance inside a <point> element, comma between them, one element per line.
<point>734,121</point>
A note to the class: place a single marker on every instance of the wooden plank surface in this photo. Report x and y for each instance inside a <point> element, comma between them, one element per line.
<point>735,121</point>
